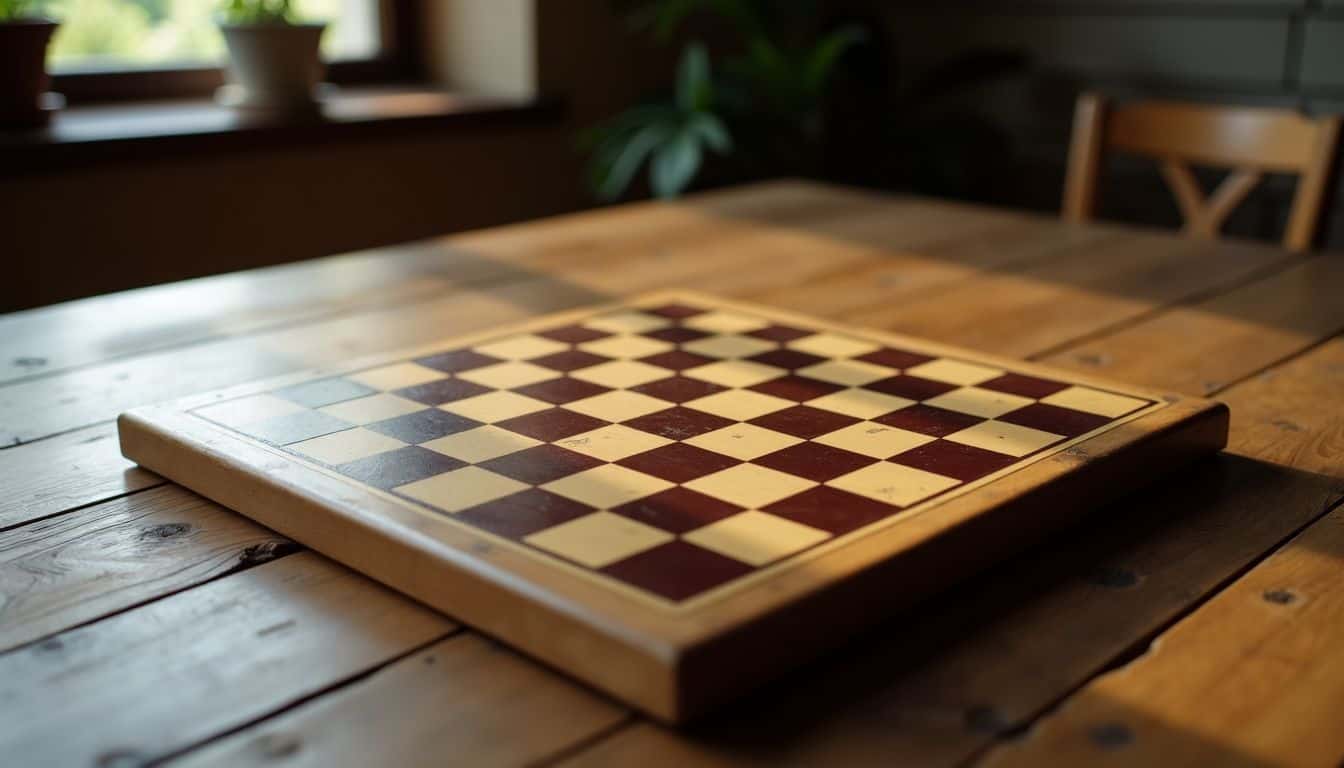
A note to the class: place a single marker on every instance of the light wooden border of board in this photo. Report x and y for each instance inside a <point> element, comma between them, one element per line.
<point>672,665</point>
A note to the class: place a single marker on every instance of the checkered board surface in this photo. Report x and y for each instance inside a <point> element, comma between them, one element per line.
<point>674,449</point>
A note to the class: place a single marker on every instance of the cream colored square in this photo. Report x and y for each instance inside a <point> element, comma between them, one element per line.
<point>893,483</point>
<point>725,322</point>
<point>461,489</point>
<point>954,372</point>
<point>979,402</point>
<point>727,346</point>
<point>628,322</point>
<point>351,444</point>
<point>749,485</point>
<point>618,405</point>
<point>621,374</point>
<point>743,441</point>
<point>1002,437</point>
<point>495,406</point>
<point>481,444</point>
<point>739,404</point>
<point>756,538</point>
<point>860,403</point>
<point>1094,401</point>
<point>521,347</point>
<point>849,373</point>
<point>508,375</point>
<point>607,486</point>
<point>366,410</point>
<point>397,376</point>
<point>873,439</point>
<point>612,442</point>
<point>735,373</point>
<point>626,347</point>
<point>599,539</point>
<point>833,345</point>
<point>249,410</point>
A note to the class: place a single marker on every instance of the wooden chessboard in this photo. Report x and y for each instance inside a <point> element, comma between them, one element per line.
<point>676,497</point>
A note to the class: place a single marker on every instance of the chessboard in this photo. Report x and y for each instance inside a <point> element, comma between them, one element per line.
<point>649,495</point>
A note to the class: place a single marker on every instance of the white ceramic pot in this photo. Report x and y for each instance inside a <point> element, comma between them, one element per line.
<point>273,67</point>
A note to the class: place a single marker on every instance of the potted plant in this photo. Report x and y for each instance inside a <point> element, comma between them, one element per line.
<point>24,34</point>
<point>274,64</point>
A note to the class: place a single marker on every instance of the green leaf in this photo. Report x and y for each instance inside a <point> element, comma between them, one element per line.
<point>628,159</point>
<point>695,90</point>
<point>711,130</point>
<point>675,163</point>
<point>821,60</point>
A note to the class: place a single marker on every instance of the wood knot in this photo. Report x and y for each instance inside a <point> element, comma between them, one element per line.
<point>164,531</point>
<point>50,645</point>
<point>1111,577</point>
<point>265,552</point>
<point>30,362</point>
<point>120,758</point>
<point>1111,735</point>
<point>986,719</point>
<point>278,746</point>
<point>1094,359</point>
<point>1280,597</point>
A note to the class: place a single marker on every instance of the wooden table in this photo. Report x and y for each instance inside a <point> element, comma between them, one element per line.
<point>1198,620</point>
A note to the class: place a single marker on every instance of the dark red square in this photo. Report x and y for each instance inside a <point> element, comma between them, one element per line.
<point>442,391</point>
<point>928,420</point>
<point>780,333</point>
<point>573,334</point>
<point>949,459</point>
<point>1026,386</point>
<point>894,358</point>
<point>569,360</point>
<point>541,464</point>
<point>796,388</point>
<point>804,421</point>
<point>677,360</point>
<point>423,426</point>
<point>831,509</point>
<point>457,360</point>
<point>404,465</point>
<point>676,311</point>
<point>910,387</point>
<point>814,461</point>
<point>551,425</point>
<point>678,462</point>
<point>523,513</point>
<point>677,570</point>
<point>676,334</point>
<point>677,510</point>
<point>562,390</point>
<point>1052,418</point>
<point>789,359</point>
<point>679,423</point>
<point>677,389</point>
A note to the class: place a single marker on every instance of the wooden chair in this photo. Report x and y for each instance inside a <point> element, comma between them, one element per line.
<point>1251,141</point>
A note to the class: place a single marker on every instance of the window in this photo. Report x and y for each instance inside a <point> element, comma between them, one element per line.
<point>152,48</point>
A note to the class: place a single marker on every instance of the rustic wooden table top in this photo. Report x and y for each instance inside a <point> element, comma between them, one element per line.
<point>1199,620</point>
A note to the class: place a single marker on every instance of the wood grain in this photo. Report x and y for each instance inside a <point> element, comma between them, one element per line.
<point>74,568</point>
<point>462,701</point>
<point>1201,348</point>
<point>1254,677</point>
<point>51,476</point>
<point>938,684</point>
<point>151,681</point>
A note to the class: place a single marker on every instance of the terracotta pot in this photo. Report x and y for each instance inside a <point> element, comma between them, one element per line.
<point>273,67</point>
<point>23,71</point>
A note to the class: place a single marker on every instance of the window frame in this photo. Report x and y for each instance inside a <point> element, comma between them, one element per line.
<point>400,60</point>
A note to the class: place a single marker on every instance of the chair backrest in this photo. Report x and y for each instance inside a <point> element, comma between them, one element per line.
<point>1249,141</point>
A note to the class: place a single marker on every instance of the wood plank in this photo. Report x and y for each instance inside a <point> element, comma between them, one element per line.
<point>462,701</point>
<point>1254,677</point>
<point>154,680</point>
<point>1293,414</point>
<point>1201,348</point>
<point>938,684</point>
<point>1026,312</point>
<point>106,558</point>
<point>65,472</point>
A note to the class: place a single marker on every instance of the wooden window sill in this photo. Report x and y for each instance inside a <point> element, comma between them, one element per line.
<point>81,135</point>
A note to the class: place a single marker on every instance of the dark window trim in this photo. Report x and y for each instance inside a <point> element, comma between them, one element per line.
<point>401,61</point>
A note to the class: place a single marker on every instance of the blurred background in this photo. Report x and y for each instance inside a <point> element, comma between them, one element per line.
<point>455,114</point>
